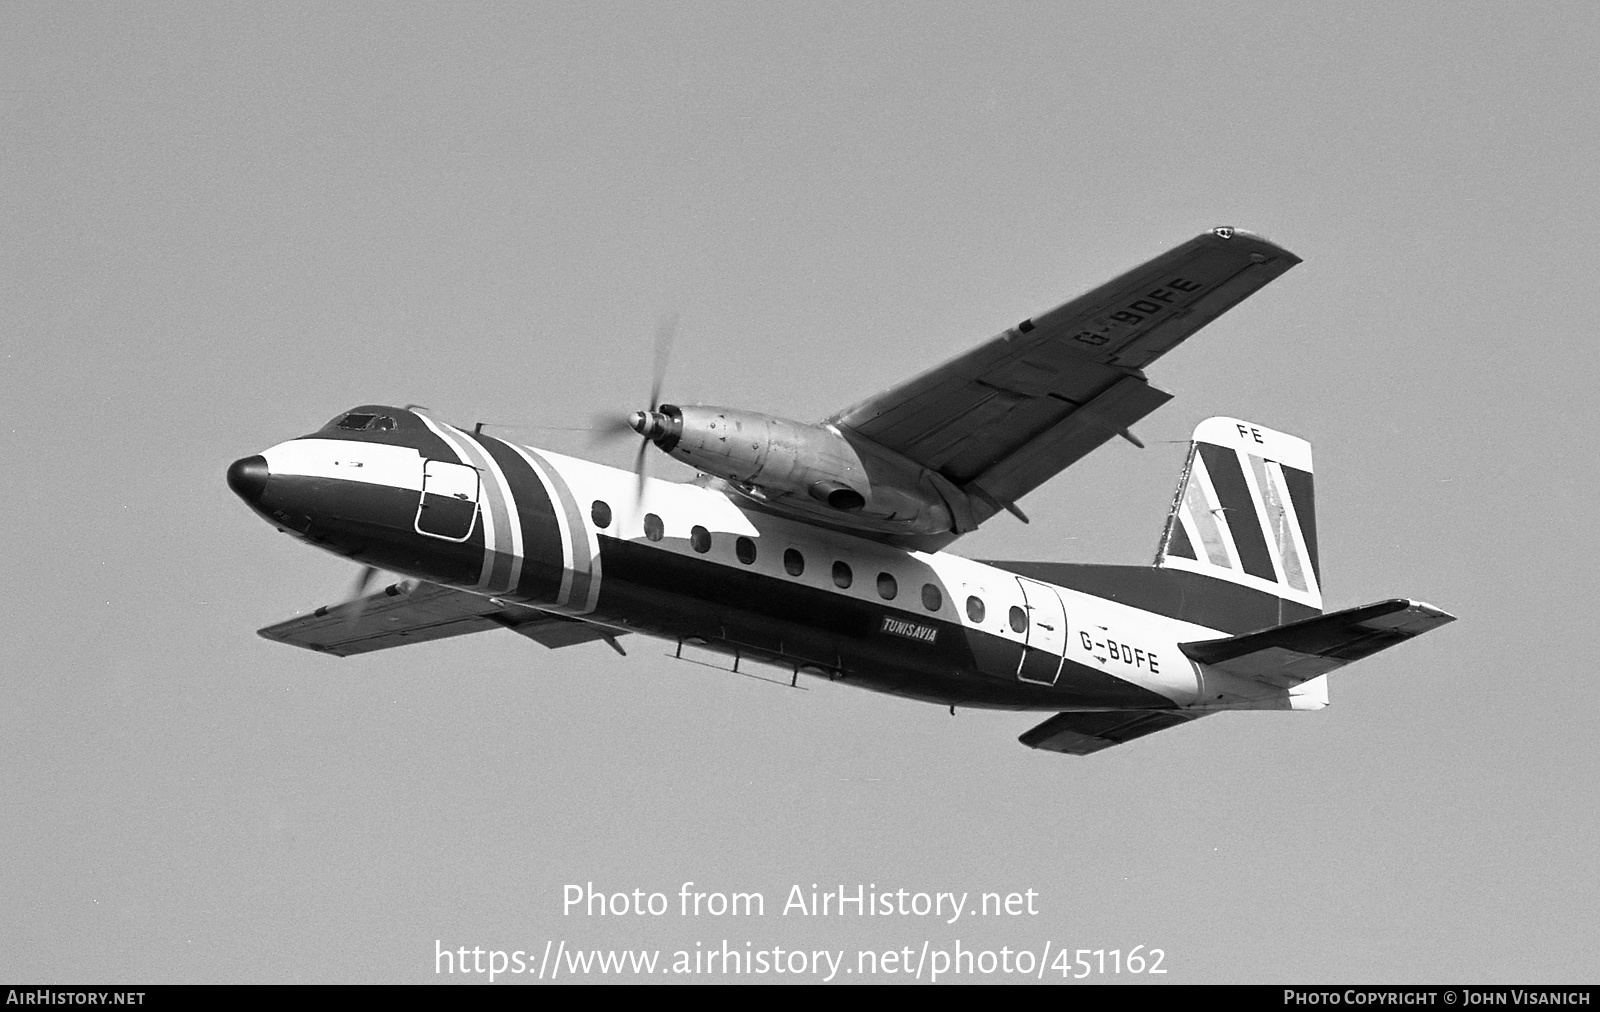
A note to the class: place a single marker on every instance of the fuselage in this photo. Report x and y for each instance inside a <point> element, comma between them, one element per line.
<point>695,565</point>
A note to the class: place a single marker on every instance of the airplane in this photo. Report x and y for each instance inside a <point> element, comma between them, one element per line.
<point>820,549</point>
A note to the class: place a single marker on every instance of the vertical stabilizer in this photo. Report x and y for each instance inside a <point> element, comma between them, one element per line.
<point>1244,512</point>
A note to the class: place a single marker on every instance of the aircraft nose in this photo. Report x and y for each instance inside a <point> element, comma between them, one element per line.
<point>248,476</point>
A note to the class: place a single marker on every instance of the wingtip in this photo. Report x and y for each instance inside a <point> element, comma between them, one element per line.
<point>1231,234</point>
<point>1437,614</point>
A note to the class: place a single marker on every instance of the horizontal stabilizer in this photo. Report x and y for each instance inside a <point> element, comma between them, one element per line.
<point>1287,655</point>
<point>1083,733</point>
<point>411,612</point>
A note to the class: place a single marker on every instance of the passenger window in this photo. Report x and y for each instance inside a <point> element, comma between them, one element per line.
<point>793,562</point>
<point>600,513</point>
<point>842,577</point>
<point>355,421</point>
<point>931,598</point>
<point>384,423</point>
<point>975,609</point>
<point>887,588</point>
<point>1019,620</point>
<point>653,527</point>
<point>745,549</point>
<point>700,539</point>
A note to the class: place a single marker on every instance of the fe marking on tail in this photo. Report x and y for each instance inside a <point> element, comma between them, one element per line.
<point>1244,511</point>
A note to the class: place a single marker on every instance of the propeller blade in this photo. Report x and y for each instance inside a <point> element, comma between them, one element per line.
<point>608,425</point>
<point>611,426</point>
<point>358,593</point>
<point>666,333</point>
<point>638,471</point>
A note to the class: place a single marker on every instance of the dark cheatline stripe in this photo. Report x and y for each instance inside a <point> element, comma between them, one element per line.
<point>1305,507</point>
<point>372,524</point>
<point>1240,509</point>
<point>541,536</point>
<point>763,614</point>
<point>1178,544</point>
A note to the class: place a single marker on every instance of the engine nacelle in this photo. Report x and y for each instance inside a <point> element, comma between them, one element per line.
<point>779,460</point>
<point>773,454</point>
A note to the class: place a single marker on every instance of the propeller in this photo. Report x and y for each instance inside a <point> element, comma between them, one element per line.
<point>648,423</point>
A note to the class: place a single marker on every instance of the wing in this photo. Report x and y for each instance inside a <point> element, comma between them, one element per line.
<point>1083,733</point>
<point>1287,655</point>
<point>1007,416</point>
<point>410,612</point>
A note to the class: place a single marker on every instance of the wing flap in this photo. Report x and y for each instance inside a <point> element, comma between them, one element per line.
<point>407,613</point>
<point>1073,437</point>
<point>1287,655</point>
<point>554,631</point>
<point>1086,733</point>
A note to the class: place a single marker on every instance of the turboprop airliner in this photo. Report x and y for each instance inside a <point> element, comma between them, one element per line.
<point>821,548</point>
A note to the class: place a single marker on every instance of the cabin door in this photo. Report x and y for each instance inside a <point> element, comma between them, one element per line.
<point>449,506</point>
<point>1047,634</point>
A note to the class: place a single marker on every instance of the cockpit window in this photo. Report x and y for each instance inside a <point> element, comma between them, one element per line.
<point>358,420</point>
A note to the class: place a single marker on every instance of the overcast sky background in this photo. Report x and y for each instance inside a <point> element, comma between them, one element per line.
<point>223,224</point>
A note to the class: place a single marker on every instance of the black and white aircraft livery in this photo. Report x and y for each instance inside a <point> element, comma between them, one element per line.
<point>820,548</point>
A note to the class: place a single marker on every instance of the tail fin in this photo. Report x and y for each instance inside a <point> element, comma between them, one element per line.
<point>1244,512</point>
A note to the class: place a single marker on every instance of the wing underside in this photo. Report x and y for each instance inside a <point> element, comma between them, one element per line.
<point>1000,420</point>
<point>408,612</point>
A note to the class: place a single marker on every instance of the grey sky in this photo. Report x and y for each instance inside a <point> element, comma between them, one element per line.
<point>223,225</point>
